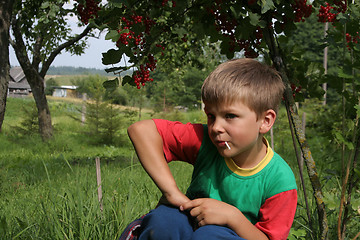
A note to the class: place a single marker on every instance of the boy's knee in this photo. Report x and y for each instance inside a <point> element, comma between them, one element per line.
<point>165,223</point>
<point>210,232</point>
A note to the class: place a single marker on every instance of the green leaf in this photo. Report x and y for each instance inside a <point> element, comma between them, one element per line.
<point>54,8</point>
<point>113,35</point>
<point>341,139</point>
<point>119,3</point>
<point>357,171</point>
<point>52,14</point>
<point>111,85</point>
<point>234,12</point>
<point>331,200</point>
<point>357,107</point>
<point>343,74</point>
<point>262,24</point>
<point>266,5</point>
<point>45,5</point>
<point>254,18</point>
<point>296,234</point>
<point>128,80</point>
<point>114,69</point>
<point>111,57</point>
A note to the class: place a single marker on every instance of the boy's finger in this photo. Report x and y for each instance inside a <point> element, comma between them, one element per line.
<point>190,204</point>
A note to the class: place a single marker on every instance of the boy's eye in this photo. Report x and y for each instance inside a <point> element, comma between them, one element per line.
<point>230,116</point>
<point>210,116</point>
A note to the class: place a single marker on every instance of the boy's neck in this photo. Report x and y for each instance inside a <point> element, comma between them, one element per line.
<point>252,157</point>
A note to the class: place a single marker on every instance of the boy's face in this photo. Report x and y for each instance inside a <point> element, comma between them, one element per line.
<point>235,124</point>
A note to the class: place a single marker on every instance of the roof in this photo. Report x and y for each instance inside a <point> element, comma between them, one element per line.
<point>66,87</point>
<point>18,79</point>
<point>17,74</point>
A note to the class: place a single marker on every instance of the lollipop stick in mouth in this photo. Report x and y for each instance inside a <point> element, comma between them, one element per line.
<point>227,145</point>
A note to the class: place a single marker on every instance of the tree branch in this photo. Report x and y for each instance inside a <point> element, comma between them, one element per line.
<point>18,44</point>
<point>48,62</point>
<point>345,204</point>
<point>36,51</point>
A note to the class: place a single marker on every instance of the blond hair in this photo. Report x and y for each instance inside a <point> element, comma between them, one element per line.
<point>257,85</point>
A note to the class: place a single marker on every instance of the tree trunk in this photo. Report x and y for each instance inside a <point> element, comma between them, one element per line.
<point>297,125</point>
<point>5,17</point>
<point>36,83</point>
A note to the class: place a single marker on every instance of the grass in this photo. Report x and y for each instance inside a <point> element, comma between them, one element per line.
<point>49,190</point>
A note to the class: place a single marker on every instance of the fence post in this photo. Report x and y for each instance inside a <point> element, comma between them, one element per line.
<point>83,111</point>
<point>98,179</point>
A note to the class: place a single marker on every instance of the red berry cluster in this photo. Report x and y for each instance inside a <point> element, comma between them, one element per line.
<point>143,75</point>
<point>89,10</point>
<point>295,89</point>
<point>162,48</point>
<point>165,2</point>
<point>137,42</point>
<point>226,25</point>
<point>128,34</point>
<point>302,10</point>
<point>328,13</point>
<point>352,39</point>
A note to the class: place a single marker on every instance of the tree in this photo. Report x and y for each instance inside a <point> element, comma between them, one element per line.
<point>148,30</point>
<point>103,119</point>
<point>41,32</point>
<point>5,16</point>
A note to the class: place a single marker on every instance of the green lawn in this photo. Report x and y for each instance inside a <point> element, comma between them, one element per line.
<point>49,190</point>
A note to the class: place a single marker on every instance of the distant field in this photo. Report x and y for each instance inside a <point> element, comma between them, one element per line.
<point>69,79</point>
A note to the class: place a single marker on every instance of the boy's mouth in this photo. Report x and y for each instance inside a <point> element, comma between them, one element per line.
<point>223,144</point>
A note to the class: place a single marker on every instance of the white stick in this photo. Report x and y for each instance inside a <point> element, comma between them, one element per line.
<point>98,180</point>
<point>227,145</point>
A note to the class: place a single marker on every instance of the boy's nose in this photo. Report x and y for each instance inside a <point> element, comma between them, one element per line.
<point>218,126</point>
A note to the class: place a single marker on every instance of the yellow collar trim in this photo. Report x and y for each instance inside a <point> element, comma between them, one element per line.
<point>245,172</point>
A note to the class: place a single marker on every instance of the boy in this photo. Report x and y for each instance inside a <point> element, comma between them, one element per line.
<point>240,188</point>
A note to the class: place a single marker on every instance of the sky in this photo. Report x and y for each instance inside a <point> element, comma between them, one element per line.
<point>90,59</point>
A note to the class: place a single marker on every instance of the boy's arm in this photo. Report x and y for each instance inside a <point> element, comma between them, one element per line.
<point>277,214</point>
<point>149,148</point>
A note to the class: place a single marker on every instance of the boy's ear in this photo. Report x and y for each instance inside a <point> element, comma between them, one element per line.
<point>268,120</point>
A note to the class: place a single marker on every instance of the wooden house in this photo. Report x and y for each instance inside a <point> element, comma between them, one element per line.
<point>18,85</point>
<point>65,91</point>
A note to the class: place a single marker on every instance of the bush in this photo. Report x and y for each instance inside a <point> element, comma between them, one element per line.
<point>50,84</point>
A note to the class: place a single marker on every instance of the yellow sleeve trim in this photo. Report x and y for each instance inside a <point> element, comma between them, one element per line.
<point>245,172</point>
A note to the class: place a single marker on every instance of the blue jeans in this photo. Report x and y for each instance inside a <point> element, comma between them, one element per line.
<point>169,223</point>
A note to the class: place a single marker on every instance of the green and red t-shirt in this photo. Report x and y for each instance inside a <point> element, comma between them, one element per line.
<point>265,194</point>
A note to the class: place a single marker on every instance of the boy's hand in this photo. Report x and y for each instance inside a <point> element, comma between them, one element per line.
<point>208,211</point>
<point>175,200</point>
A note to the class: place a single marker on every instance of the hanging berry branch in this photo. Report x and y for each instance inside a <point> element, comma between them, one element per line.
<point>302,10</point>
<point>134,31</point>
<point>138,35</point>
<point>143,28</point>
<point>88,9</point>
<point>329,12</point>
